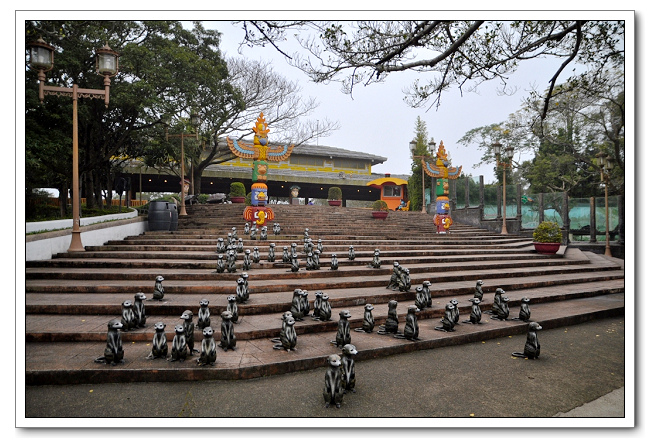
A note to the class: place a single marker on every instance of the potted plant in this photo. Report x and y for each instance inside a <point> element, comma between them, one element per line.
<point>334,196</point>
<point>237,193</point>
<point>547,237</point>
<point>379,209</point>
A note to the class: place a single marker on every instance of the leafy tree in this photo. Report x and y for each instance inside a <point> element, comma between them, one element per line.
<point>48,150</point>
<point>587,116</point>
<point>154,55</point>
<point>258,89</point>
<point>555,169</point>
<point>415,180</point>
<point>261,89</point>
<point>514,132</point>
<point>166,71</point>
<point>462,53</point>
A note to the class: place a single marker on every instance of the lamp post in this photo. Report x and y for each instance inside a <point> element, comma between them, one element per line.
<point>509,152</point>
<point>605,164</point>
<point>41,58</point>
<point>432,148</point>
<point>195,121</point>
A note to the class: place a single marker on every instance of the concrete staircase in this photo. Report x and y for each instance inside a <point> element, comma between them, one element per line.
<point>70,299</point>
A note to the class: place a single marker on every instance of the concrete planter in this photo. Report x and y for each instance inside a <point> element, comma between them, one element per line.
<point>379,214</point>
<point>238,199</point>
<point>335,203</point>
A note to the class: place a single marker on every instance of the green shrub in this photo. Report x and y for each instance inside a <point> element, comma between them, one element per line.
<point>203,198</point>
<point>547,232</point>
<point>170,198</point>
<point>379,206</point>
<point>334,194</point>
<point>237,189</point>
<point>48,212</point>
<point>249,200</point>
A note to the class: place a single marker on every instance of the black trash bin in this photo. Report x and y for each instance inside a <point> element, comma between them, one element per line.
<point>173,225</point>
<point>160,215</point>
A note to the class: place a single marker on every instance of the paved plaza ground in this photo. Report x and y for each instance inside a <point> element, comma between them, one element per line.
<point>469,381</point>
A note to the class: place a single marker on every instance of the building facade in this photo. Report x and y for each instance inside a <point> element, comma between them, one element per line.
<point>313,168</point>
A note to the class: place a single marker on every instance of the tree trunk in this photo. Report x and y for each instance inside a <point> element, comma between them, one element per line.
<point>98,189</point>
<point>63,199</point>
<point>89,190</point>
<point>196,180</point>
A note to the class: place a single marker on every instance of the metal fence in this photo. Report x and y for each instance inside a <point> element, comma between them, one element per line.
<point>585,212</point>
<point>493,205</point>
<point>468,192</point>
<point>581,218</point>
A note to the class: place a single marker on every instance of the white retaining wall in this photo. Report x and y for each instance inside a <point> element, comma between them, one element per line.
<point>40,226</point>
<point>44,248</point>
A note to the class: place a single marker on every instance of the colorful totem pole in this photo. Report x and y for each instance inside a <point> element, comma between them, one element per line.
<point>441,170</point>
<point>258,212</point>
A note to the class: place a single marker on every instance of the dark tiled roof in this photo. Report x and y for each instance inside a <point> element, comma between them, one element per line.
<point>299,175</point>
<point>327,151</point>
<point>338,152</point>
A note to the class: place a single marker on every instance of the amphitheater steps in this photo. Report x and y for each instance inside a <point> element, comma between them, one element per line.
<point>70,298</point>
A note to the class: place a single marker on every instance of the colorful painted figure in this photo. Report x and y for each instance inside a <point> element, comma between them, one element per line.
<point>258,211</point>
<point>442,171</point>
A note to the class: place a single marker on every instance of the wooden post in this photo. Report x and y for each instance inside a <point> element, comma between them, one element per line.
<point>565,219</point>
<point>519,193</point>
<point>499,201</point>
<point>621,219</point>
<point>481,197</point>
<point>592,219</point>
<point>452,194</point>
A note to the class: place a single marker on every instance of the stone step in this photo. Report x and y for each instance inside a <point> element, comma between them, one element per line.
<point>190,253</point>
<point>354,268</point>
<point>331,229</point>
<point>292,281</point>
<point>58,302</point>
<point>182,261</point>
<point>73,362</point>
<point>92,327</point>
<point>211,240</point>
<point>328,247</point>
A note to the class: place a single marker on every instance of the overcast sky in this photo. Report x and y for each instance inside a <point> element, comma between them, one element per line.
<point>376,120</point>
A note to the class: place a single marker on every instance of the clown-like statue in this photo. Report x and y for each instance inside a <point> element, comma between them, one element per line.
<point>258,212</point>
<point>442,171</point>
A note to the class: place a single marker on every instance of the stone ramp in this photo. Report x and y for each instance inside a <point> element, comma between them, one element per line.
<point>70,298</point>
